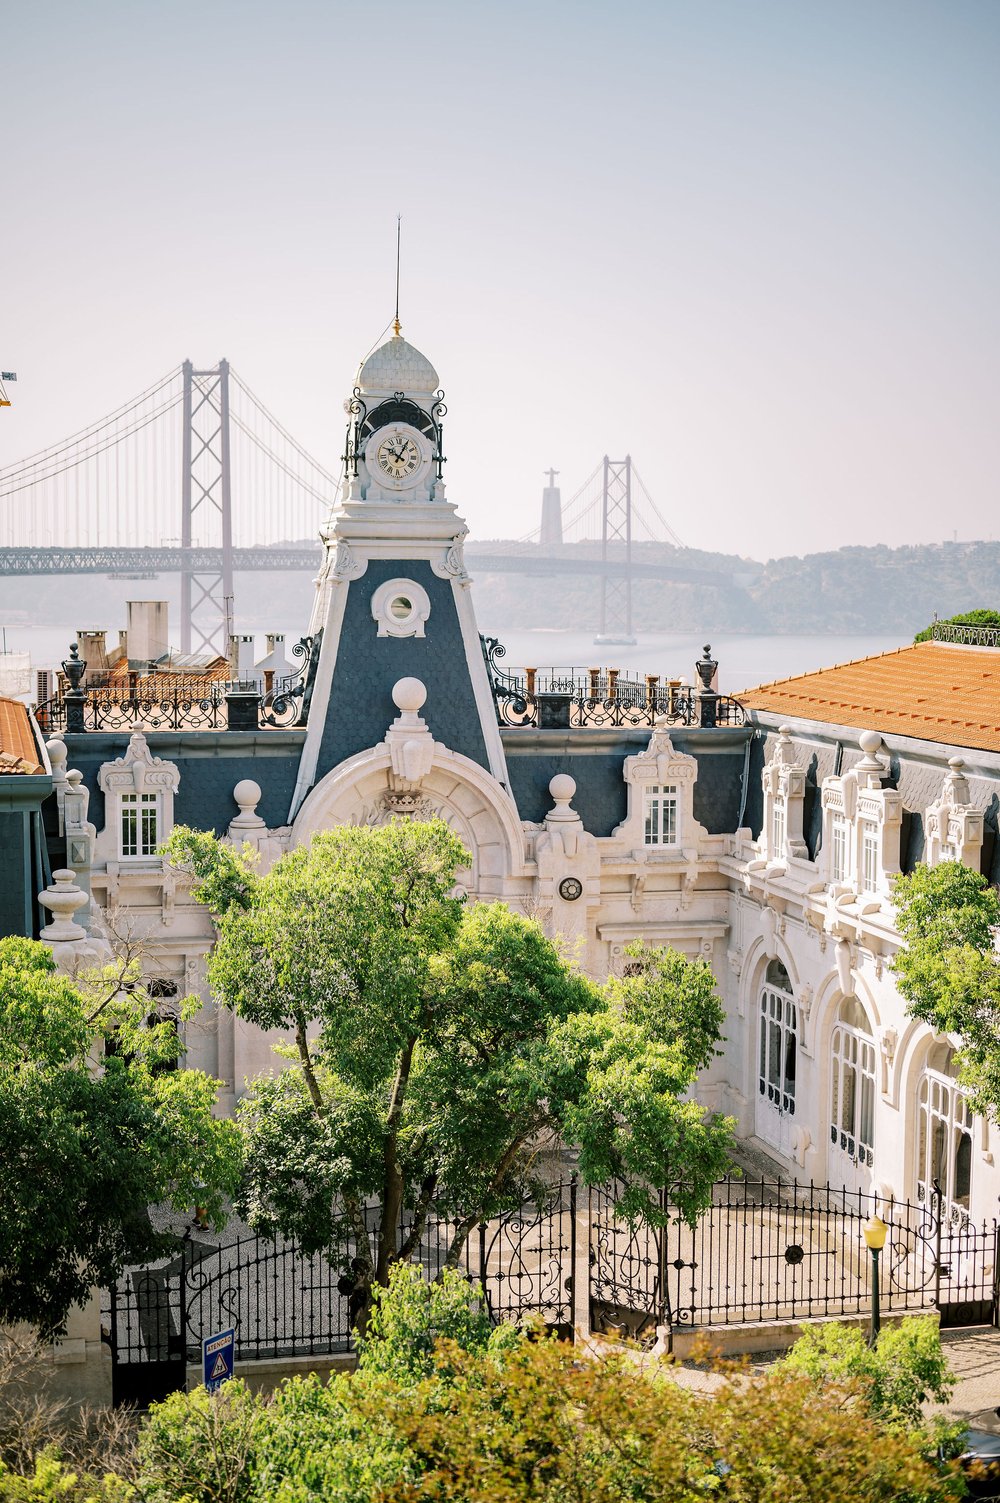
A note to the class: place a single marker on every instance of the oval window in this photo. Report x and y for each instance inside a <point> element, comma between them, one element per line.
<point>401,608</point>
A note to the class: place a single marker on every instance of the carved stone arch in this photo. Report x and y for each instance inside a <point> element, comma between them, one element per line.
<point>363,790</point>
<point>751,982</point>
<point>914,1046</point>
<point>829,996</point>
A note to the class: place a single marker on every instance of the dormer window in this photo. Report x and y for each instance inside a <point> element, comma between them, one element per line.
<point>139,824</point>
<point>139,794</point>
<point>660,808</point>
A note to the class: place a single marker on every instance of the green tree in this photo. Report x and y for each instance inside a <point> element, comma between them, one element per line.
<point>948,969</point>
<point>89,1141</point>
<point>438,1045</point>
<point>967,618</point>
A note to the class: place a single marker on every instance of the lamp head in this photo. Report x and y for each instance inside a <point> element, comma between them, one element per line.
<point>875,1232</point>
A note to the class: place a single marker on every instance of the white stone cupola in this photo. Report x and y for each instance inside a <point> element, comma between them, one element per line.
<point>393,599</point>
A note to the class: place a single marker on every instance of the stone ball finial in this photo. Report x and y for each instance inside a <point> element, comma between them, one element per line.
<point>869,742</point>
<point>56,748</point>
<point>785,732</point>
<point>247,794</point>
<point>562,787</point>
<point>956,763</point>
<point>408,695</point>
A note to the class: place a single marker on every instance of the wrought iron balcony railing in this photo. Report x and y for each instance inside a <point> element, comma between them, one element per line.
<point>594,698</point>
<point>165,703</point>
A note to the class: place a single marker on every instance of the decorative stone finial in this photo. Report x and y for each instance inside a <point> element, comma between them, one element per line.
<point>248,822</point>
<point>62,899</point>
<point>58,753</point>
<point>247,794</point>
<point>410,743</point>
<point>562,788</point>
<point>409,695</point>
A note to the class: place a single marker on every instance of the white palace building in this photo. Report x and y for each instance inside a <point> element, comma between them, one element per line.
<point>761,832</point>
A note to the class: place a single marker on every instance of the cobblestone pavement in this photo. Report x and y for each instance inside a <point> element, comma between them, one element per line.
<point>975,1358</point>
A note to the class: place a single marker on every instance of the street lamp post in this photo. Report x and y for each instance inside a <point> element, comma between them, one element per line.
<point>875,1232</point>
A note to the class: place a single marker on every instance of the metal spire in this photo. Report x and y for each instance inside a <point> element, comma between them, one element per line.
<point>396,327</point>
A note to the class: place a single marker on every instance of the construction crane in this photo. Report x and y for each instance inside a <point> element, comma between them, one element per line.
<point>6,376</point>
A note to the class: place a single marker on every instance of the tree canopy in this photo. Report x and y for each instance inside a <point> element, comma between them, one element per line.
<point>966,618</point>
<point>948,970</point>
<point>435,1046</point>
<point>89,1142</point>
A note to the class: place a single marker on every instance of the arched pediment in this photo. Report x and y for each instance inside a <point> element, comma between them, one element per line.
<point>366,790</point>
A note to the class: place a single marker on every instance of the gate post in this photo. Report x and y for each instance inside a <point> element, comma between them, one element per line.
<point>572,1253</point>
<point>182,1298</point>
<point>937,1247</point>
<point>664,1320</point>
<point>580,1232</point>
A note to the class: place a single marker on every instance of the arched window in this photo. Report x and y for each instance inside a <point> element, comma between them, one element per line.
<point>776,1058</point>
<point>944,1136</point>
<point>852,1104</point>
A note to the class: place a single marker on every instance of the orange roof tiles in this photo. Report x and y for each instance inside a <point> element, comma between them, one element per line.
<point>931,691</point>
<point>18,751</point>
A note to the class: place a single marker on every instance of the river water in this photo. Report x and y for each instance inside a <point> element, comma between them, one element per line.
<point>743,660</point>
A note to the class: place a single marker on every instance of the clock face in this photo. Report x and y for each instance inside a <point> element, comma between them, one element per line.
<point>398,457</point>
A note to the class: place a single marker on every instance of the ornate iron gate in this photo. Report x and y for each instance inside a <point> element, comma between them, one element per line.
<point>284,1303</point>
<point>767,1251</point>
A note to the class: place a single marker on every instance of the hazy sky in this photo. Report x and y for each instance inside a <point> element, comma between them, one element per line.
<point>754,242</point>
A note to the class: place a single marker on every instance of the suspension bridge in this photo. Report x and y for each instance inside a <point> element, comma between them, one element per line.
<point>196,476</point>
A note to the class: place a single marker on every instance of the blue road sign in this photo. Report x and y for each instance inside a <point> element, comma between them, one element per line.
<point>218,1354</point>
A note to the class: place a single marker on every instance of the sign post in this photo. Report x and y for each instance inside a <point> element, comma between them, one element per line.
<point>218,1355</point>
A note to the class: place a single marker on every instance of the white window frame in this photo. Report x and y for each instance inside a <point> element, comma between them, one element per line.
<point>661,815</point>
<point>853,1091</point>
<point>138,810</point>
<point>870,851</point>
<point>944,1143</point>
<point>777,1047</point>
<point>778,826</point>
<point>839,846</point>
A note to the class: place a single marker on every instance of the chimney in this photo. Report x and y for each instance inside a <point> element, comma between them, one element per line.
<point>94,651</point>
<point>241,652</point>
<point>146,632</point>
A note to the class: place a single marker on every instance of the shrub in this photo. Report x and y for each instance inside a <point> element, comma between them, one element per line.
<point>200,1447</point>
<point>895,1379</point>
<point>412,1315</point>
<point>51,1481</point>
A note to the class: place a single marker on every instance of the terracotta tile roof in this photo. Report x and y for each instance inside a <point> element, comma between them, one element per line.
<point>931,690</point>
<point>18,750</point>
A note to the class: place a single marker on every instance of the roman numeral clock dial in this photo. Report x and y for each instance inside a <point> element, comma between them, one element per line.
<point>398,456</point>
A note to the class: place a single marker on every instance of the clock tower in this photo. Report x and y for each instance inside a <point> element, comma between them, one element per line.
<point>393,598</point>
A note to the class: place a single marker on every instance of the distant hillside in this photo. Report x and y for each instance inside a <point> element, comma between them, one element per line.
<point>850,590</point>
<point>880,590</point>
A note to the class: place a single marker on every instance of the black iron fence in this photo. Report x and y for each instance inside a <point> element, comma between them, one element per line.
<point>284,1303</point>
<point>174,702</point>
<point>597,698</point>
<point>764,1252</point>
<point>769,1251</point>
